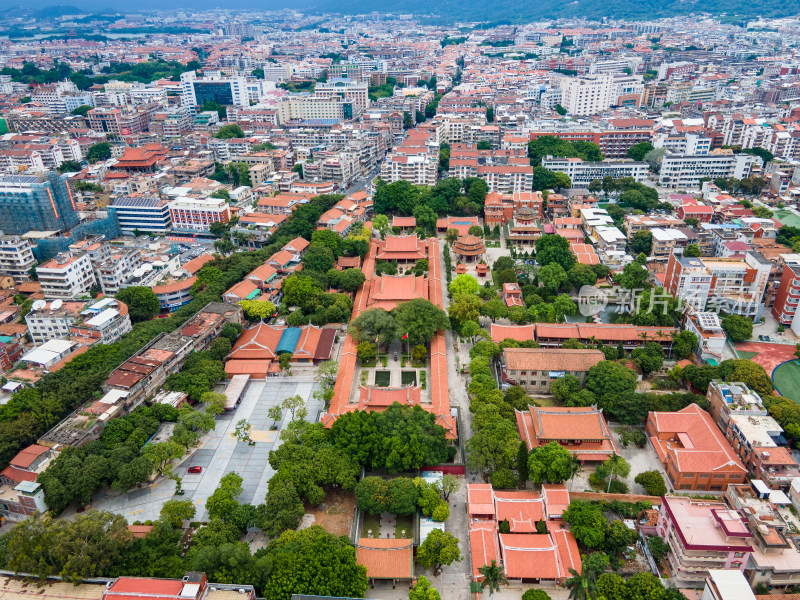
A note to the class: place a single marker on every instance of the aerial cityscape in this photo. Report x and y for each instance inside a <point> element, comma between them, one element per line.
<point>387,301</point>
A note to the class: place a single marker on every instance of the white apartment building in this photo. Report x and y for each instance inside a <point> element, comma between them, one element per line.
<point>731,285</point>
<point>106,320</point>
<point>417,169</point>
<point>685,171</point>
<point>581,173</point>
<point>347,89</point>
<point>224,91</point>
<point>507,179</point>
<point>16,257</point>
<point>593,94</point>
<point>51,320</point>
<point>113,273</point>
<point>689,143</point>
<point>66,276</point>
<point>304,108</point>
<point>198,213</point>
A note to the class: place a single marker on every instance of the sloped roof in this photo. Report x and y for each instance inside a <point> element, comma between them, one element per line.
<point>386,558</point>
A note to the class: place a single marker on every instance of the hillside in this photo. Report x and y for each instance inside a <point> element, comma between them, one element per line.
<point>520,11</point>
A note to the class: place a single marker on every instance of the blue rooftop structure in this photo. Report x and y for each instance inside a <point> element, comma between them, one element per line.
<point>288,341</point>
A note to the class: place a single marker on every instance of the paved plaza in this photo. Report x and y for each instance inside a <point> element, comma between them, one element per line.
<point>219,453</point>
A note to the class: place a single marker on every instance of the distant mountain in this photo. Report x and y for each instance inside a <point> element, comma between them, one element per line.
<point>520,11</point>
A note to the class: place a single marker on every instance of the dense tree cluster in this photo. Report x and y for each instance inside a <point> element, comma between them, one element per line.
<point>449,196</point>
<point>750,373</point>
<point>555,146</point>
<point>399,439</point>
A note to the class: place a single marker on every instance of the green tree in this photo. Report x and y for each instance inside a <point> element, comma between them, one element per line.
<point>215,402</point>
<point>493,577</point>
<point>294,404</point>
<point>81,110</point>
<point>318,258</point>
<point>633,277</point>
<point>493,447</point>
<point>638,151</point>
<point>229,131</point>
<point>439,548</point>
<point>587,523</point>
<point>242,431</point>
<point>420,319</point>
<point>737,328</point>
<point>552,276</point>
<point>692,250</point>
<point>534,594</point>
<point>285,362</point>
<point>161,454</point>
<point>366,351</point>
<point>564,387</point>
<point>561,181</point>
<point>495,309</point>
<point>469,329</point>
<point>284,509</point>
<point>552,248</point>
<point>381,224</point>
<point>611,585</point>
<point>652,482</point>
<point>222,503</point>
<point>375,325</point>
<point>450,485</point>
<point>580,275</point>
<point>551,463</point>
<point>372,495</point>
<point>85,547</point>
<point>750,373</point>
<point>69,166</point>
<point>464,284</point>
<point>580,585</point>
<point>423,590</point>
<point>594,564</point>
<point>618,537</point>
<point>351,279</point>
<point>176,512</point>
<point>97,152</point>
<point>141,301</point>
<point>299,557</point>
<point>642,242</point>
<point>257,309</point>
<point>609,380</point>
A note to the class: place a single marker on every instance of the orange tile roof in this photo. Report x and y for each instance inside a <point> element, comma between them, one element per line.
<point>26,456</point>
<point>386,558</point>
<point>585,429</point>
<point>693,440</point>
<point>480,499</point>
<point>483,545</point>
<point>515,332</point>
<point>521,509</point>
<point>551,359</point>
<point>197,263</point>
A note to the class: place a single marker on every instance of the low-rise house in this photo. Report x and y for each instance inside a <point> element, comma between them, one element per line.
<point>536,369</point>
<point>694,451</point>
<point>582,431</point>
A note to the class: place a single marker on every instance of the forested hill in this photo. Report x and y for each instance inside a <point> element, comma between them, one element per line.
<point>520,11</point>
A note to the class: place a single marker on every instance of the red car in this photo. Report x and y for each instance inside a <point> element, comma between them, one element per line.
<point>195,469</point>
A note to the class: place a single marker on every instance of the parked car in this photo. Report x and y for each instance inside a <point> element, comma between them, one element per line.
<point>195,469</point>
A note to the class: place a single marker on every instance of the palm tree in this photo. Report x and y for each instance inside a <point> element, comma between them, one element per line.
<point>493,577</point>
<point>574,468</point>
<point>581,585</point>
